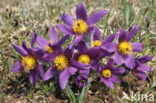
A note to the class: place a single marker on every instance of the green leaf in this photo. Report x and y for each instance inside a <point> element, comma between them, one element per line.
<point>70,94</point>
<point>84,90</point>
<point>127,11</point>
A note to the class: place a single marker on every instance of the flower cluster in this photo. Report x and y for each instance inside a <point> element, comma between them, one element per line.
<point>84,55</point>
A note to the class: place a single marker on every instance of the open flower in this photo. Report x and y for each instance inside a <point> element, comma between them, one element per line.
<point>124,49</point>
<point>109,74</point>
<point>85,58</point>
<point>83,23</point>
<point>62,66</point>
<point>141,69</point>
<point>106,44</point>
<point>50,46</point>
<point>29,61</point>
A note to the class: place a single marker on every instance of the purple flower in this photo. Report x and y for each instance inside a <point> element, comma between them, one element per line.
<point>29,61</point>
<point>81,80</point>
<point>85,58</point>
<point>83,23</point>
<point>141,69</point>
<point>105,44</point>
<point>62,65</point>
<point>50,46</point>
<point>109,74</point>
<point>123,50</point>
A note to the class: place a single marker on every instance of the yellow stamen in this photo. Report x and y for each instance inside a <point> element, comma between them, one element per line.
<point>28,62</point>
<point>48,49</point>
<point>96,43</point>
<point>80,26</point>
<point>125,48</point>
<point>84,59</point>
<point>106,73</point>
<point>61,62</point>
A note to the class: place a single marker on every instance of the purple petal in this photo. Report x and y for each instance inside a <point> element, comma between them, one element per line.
<point>109,39</point>
<point>118,58</point>
<point>50,73</point>
<point>115,79</point>
<point>42,42</point>
<point>33,77</point>
<point>67,19</point>
<point>16,67</point>
<point>129,61</point>
<point>118,71</point>
<point>94,18</point>
<point>82,47</point>
<point>40,71</point>
<point>110,47</point>
<point>33,40</point>
<point>72,70</point>
<point>132,32</point>
<point>84,72</point>
<point>76,41</point>
<point>79,65</point>
<point>137,47</point>
<point>53,35</point>
<point>37,52</point>
<point>25,47</point>
<point>142,75</point>
<point>63,78</point>
<point>94,52</point>
<point>81,11</point>
<point>20,50</point>
<point>96,34</point>
<point>107,82</point>
<point>65,29</point>
<point>145,59</point>
<point>48,57</point>
<point>122,35</point>
<point>63,39</point>
<point>144,67</point>
<point>68,52</point>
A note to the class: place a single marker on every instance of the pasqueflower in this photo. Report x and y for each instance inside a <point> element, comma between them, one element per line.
<point>124,49</point>
<point>83,23</point>
<point>62,66</point>
<point>50,46</point>
<point>109,74</point>
<point>141,69</point>
<point>29,61</point>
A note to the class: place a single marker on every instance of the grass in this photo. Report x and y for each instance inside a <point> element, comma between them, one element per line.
<point>19,18</point>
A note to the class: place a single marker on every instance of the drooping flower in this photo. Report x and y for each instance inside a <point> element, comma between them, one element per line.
<point>109,74</point>
<point>62,66</point>
<point>83,23</point>
<point>50,46</point>
<point>29,61</point>
<point>124,49</point>
<point>141,69</point>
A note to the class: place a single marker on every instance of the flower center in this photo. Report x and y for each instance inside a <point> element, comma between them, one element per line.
<point>96,43</point>
<point>84,59</point>
<point>28,62</point>
<point>107,73</point>
<point>48,49</point>
<point>61,62</point>
<point>125,48</point>
<point>80,26</point>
